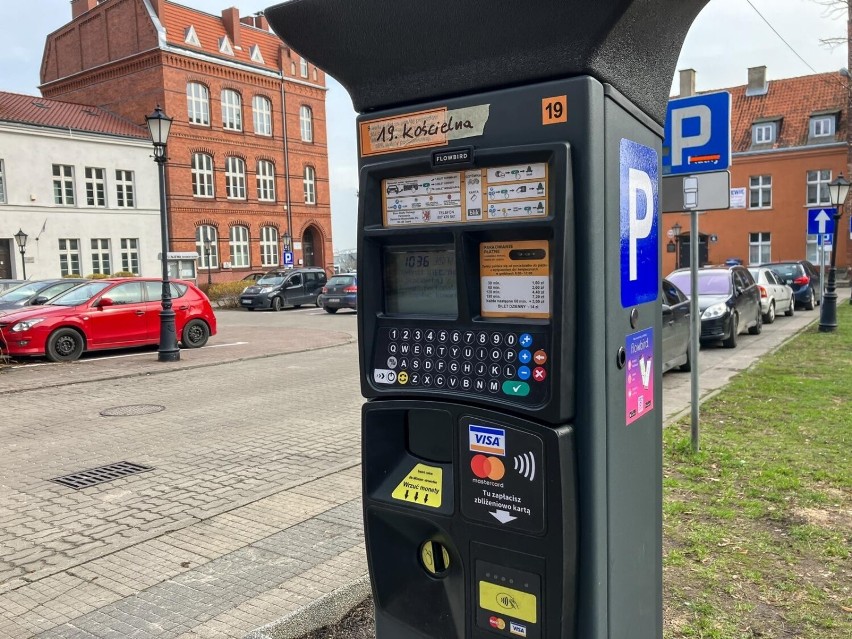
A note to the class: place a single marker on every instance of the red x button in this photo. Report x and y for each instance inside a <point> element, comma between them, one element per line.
<point>539,374</point>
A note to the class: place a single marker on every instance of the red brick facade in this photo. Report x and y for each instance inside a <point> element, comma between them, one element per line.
<point>119,57</point>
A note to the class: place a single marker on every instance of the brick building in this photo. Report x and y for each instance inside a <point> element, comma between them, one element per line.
<point>233,89</point>
<point>788,142</point>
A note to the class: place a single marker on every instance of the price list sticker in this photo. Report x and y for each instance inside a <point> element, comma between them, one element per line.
<point>515,279</point>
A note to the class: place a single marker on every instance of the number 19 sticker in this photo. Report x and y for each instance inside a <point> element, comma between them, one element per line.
<point>554,110</point>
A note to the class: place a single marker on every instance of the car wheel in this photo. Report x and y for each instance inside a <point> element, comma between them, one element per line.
<point>65,345</point>
<point>686,367</point>
<point>731,340</point>
<point>758,327</point>
<point>770,315</point>
<point>789,312</point>
<point>195,334</point>
<point>811,303</point>
<point>277,303</point>
<point>331,310</point>
<point>319,301</point>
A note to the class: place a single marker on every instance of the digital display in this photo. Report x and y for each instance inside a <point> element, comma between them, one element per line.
<point>421,280</point>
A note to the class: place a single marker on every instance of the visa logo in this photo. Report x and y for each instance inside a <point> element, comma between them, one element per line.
<point>517,629</point>
<point>486,439</point>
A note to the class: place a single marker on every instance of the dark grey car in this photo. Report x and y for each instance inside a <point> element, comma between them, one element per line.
<point>35,293</point>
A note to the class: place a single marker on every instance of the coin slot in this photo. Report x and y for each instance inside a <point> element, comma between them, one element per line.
<point>435,558</point>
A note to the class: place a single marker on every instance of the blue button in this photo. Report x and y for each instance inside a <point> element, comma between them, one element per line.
<point>524,372</point>
<point>526,340</point>
<point>524,357</point>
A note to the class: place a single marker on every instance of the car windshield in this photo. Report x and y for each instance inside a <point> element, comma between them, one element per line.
<point>709,282</point>
<point>21,292</point>
<point>270,280</point>
<point>787,271</point>
<point>341,280</point>
<point>80,294</point>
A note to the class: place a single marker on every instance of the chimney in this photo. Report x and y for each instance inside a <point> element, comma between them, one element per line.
<point>261,22</point>
<point>79,7</point>
<point>687,82</point>
<point>231,19</point>
<point>757,81</point>
<point>159,8</point>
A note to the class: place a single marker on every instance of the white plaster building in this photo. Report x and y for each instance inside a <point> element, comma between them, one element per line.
<point>82,184</point>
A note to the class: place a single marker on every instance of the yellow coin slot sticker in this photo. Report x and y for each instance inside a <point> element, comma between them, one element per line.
<point>435,558</point>
<point>507,601</point>
<point>421,486</point>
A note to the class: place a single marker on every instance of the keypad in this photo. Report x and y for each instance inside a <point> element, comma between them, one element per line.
<point>499,364</point>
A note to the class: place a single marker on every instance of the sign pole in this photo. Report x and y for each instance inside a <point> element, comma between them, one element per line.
<point>694,242</point>
<point>821,247</point>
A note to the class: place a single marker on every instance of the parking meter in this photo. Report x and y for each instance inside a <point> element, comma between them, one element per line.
<point>508,315</point>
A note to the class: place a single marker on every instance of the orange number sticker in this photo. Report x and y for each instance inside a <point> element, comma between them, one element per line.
<point>554,110</point>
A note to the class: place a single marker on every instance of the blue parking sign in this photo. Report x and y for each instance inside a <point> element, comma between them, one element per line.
<point>698,134</point>
<point>288,258</point>
<point>639,222</point>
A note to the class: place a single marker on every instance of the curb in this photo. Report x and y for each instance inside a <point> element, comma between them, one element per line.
<point>327,610</point>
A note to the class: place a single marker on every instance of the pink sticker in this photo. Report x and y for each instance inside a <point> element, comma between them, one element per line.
<point>639,374</point>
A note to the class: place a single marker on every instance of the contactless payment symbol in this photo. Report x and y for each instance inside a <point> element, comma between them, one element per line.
<point>485,439</point>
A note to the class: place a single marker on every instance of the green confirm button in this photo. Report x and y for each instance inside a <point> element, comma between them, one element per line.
<point>516,389</point>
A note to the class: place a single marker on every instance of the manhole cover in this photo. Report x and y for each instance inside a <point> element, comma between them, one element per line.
<point>100,475</point>
<point>133,409</point>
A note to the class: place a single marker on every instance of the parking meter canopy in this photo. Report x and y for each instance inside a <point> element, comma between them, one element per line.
<point>414,52</point>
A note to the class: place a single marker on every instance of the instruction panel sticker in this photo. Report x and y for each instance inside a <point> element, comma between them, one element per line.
<point>515,279</point>
<point>421,486</point>
<point>503,487</point>
<point>503,193</point>
<point>639,374</point>
<point>423,129</point>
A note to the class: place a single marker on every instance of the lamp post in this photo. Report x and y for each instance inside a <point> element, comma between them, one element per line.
<point>158,125</point>
<point>676,229</point>
<point>838,190</point>
<point>21,240</point>
<point>207,249</point>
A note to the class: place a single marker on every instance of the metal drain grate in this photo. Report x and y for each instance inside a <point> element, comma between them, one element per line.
<point>103,474</point>
<point>133,409</point>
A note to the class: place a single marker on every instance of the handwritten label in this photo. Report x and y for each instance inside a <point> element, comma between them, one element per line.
<point>423,129</point>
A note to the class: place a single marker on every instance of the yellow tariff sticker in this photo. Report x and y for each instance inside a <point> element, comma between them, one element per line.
<point>508,601</point>
<point>421,486</point>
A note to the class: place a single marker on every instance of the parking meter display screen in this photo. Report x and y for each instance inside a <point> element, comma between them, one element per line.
<point>421,281</point>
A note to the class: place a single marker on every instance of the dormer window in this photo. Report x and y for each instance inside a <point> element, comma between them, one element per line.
<point>225,46</point>
<point>822,126</point>
<point>763,133</point>
<point>255,54</point>
<point>191,37</point>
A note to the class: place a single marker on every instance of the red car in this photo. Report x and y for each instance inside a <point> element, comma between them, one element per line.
<point>103,314</point>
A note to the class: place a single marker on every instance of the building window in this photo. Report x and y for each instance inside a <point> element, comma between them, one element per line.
<point>100,257</point>
<point>306,124</point>
<point>818,187</point>
<point>303,67</point>
<point>239,246</point>
<point>265,181</point>
<point>759,248</point>
<point>763,133</point>
<point>124,189</point>
<point>817,253</point>
<point>255,54</point>
<point>191,37</point>
<point>202,175</point>
<point>130,255</point>
<point>232,110</point>
<point>63,184</point>
<point>198,103</point>
<point>268,246</point>
<point>760,192</point>
<point>203,233</point>
<point>95,187</point>
<point>822,126</point>
<point>262,113</point>
<point>69,257</point>
<point>2,183</point>
<point>235,178</point>
<point>310,183</point>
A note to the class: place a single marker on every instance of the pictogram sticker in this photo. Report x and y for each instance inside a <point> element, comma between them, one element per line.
<point>508,601</point>
<point>421,486</point>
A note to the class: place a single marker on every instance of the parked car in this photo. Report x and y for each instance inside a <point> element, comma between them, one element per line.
<point>35,293</point>
<point>341,291</point>
<point>285,287</point>
<point>253,277</point>
<point>774,294</point>
<point>728,299</point>
<point>105,314</point>
<point>5,285</point>
<point>675,328</point>
<point>802,277</point>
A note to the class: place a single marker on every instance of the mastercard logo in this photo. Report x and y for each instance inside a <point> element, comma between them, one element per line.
<point>497,622</point>
<point>486,467</point>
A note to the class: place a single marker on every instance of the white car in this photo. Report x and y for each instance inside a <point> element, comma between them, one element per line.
<point>774,295</point>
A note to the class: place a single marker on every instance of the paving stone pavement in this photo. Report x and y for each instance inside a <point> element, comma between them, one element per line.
<point>252,509</point>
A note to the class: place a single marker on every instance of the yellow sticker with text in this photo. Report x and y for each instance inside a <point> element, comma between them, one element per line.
<point>421,486</point>
<point>508,601</point>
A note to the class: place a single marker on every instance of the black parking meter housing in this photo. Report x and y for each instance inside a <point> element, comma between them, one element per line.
<point>509,320</point>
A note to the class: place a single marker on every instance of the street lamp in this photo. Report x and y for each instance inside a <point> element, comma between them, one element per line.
<point>285,239</point>
<point>838,189</point>
<point>21,239</point>
<point>158,125</point>
<point>676,229</point>
<point>207,249</point>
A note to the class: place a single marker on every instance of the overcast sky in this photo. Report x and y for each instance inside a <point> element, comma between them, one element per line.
<point>727,38</point>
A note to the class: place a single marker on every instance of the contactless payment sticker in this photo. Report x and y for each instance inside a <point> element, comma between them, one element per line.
<point>515,279</point>
<point>639,374</point>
